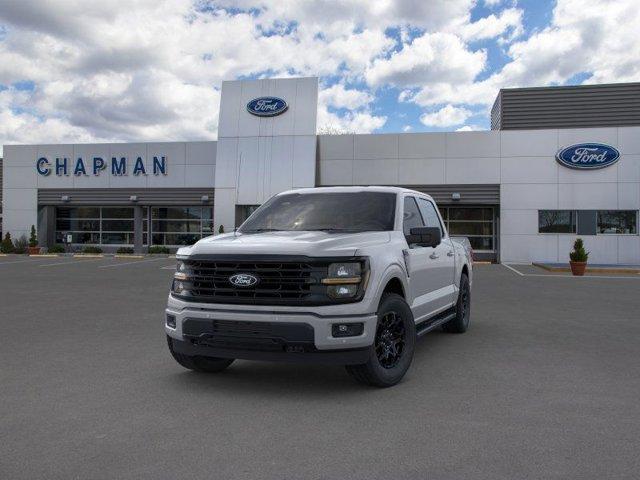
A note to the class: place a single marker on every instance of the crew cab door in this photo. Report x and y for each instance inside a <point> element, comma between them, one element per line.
<point>443,257</point>
<point>431,269</point>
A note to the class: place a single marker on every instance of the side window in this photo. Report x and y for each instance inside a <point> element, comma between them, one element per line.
<point>412,217</point>
<point>429,214</point>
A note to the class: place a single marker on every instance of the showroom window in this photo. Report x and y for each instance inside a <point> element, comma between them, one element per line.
<point>618,222</point>
<point>95,225</point>
<point>180,225</point>
<point>556,221</point>
<point>475,223</point>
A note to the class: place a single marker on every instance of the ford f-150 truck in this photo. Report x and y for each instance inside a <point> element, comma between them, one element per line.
<point>338,275</point>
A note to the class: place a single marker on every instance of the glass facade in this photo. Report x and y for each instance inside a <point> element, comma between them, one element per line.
<point>95,225</point>
<point>556,221</point>
<point>173,226</point>
<point>475,223</point>
<point>588,222</point>
<point>170,226</point>
<point>618,222</point>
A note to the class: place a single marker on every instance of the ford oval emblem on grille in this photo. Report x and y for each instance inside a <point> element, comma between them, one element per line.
<point>243,280</point>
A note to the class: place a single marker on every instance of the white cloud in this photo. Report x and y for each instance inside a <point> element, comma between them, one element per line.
<point>151,70</point>
<point>351,122</point>
<point>469,128</point>
<point>433,57</point>
<point>407,128</point>
<point>509,22</point>
<point>596,38</point>
<point>447,116</point>
<point>340,97</point>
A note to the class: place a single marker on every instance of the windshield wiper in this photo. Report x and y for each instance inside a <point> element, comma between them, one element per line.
<point>332,230</point>
<point>261,230</point>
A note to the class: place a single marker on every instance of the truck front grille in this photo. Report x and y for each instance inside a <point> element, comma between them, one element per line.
<point>279,281</point>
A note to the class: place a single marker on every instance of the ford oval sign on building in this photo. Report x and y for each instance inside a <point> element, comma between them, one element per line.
<point>267,106</point>
<point>588,156</point>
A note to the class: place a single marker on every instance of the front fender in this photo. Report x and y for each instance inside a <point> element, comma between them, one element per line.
<point>395,270</point>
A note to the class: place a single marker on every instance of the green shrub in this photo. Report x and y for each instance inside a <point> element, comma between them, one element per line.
<point>7,244</point>
<point>158,249</point>
<point>125,251</point>
<point>91,249</point>
<point>33,238</point>
<point>221,229</point>
<point>21,244</point>
<point>579,254</point>
<point>57,248</point>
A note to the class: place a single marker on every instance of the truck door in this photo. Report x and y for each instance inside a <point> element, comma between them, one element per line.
<point>422,283</point>
<point>442,259</point>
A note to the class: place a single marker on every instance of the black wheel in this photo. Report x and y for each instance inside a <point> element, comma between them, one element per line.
<point>463,309</point>
<point>199,364</point>
<point>392,350</point>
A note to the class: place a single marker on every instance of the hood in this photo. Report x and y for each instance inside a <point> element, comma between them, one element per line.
<point>312,244</point>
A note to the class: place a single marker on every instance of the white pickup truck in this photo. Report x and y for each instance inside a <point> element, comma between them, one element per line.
<point>338,275</point>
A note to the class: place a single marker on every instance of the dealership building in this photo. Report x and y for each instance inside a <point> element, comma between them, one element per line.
<point>559,162</point>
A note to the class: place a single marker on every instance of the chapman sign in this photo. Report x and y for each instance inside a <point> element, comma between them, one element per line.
<point>588,156</point>
<point>118,166</point>
<point>267,106</point>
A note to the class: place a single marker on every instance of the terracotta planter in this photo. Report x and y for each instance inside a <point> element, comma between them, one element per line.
<point>578,268</point>
<point>33,250</point>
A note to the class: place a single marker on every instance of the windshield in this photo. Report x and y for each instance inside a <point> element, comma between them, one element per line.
<point>331,212</point>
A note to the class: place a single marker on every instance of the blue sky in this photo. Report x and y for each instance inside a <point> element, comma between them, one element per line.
<point>77,71</point>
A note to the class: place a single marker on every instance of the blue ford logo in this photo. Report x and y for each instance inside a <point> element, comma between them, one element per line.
<point>243,280</point>
<point>588,156</point>
<point>267,106</point>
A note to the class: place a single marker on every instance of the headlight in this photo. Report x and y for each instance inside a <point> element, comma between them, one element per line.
<point>344,270</point>
<point>182,271</point>
<point>343,280</point>
<point>181,278</point>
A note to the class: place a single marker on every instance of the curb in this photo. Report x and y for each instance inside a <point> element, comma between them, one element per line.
<point>588,270</point>
<point>127,255</point>
<point>88,255</point>
<point>45,255</point>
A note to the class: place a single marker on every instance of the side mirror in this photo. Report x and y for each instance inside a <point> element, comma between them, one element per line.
<point>424,236</point>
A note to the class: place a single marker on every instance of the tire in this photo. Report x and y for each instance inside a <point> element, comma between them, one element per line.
<point>199,364</point>
<point>460,323</point>
<point>395,331</point>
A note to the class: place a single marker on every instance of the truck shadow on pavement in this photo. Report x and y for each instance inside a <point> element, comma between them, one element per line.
<point>277,379</point>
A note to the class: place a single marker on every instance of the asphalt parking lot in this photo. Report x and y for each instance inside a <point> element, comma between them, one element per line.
<point>545,384</point>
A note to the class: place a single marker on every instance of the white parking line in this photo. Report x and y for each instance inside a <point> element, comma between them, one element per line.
<point>566,276</point>
<point>73,262</point>
<point>168,267</point>
<point>130,263</point>
<point>513,270</point>
<point>31,260</point>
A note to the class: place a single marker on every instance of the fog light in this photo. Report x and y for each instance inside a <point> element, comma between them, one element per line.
<point>347,329</point>
<point>171,321</point>
<point>342,291</point>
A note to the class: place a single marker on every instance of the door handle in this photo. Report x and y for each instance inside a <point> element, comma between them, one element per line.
<point>433,256</point>
<point>450,253</point>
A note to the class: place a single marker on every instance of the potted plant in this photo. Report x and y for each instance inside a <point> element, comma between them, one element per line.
<point>578,258</point>
<point>33,249</point>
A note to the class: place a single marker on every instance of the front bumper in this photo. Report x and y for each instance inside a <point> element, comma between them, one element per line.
<point>356,356</point>
<point>267,333</point>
